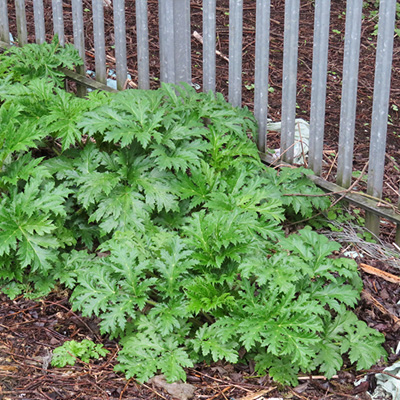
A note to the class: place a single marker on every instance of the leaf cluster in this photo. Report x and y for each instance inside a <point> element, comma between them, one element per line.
<point>32,61</point>
<point>154,209</point>
<point>72,351</point>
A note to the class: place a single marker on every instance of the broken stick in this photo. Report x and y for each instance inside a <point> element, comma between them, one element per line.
<point>198,37</point>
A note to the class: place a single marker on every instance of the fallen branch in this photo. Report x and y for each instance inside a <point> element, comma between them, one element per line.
<point>382,274</point>
<point>198,37</point>
<point>254,396</point>
<point>316,378</point>
<point>221,392</point>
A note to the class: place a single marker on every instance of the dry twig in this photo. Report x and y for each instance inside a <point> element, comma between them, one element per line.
<point>198,37</point>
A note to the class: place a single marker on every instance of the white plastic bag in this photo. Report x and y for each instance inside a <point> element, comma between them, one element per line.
<point>301,139</point>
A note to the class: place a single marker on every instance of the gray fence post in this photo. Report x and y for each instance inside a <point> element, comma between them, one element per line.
<point>263,11</point>
<point>4,28</point>
<point>349,92</point>
<point>99,41</point>
<point>166,37</point>
<point>383,69</point>
<point>58,20</point>
<point>142,32</point>
<point>21,22</point>
<point>290,49</point>
<point>235,52</point>
<point>79,39</point>
<point>318,86</point>
<point>120,43</point>
<point>182,38</point>
<point>209,33</point>
<point>38,15</point>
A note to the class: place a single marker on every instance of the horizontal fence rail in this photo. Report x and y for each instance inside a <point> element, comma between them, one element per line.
<point>176,62</point>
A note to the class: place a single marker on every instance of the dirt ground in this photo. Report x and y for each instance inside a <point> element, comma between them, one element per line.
<point>30,330</point>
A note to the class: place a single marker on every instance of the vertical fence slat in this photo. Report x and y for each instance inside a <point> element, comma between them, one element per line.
<point>383,69</point>
<point>263,13</point>
<point>349,92</point>
<point>318,87</point>
<point>120,43</point>
<point>166,37</point>
<point>142,30</point>
<point>4,27</point>
<point>21,22</point>
<point>235,52</point>
<point>99,41</point>
<point>58,20</point>
<point>290,50</point>
<point>38,16</point>
<point>182,38</point>
<point>79,39</point>
<point>209,33</point>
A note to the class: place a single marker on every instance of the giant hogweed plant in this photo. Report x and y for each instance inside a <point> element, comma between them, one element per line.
<point>154,209</point>
<point>23,64</point>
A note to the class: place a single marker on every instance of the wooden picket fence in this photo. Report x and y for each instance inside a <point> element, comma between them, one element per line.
<point>175,66</point>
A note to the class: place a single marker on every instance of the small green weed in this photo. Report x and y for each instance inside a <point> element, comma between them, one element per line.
<point>72,351</point>
<point>373,6</point>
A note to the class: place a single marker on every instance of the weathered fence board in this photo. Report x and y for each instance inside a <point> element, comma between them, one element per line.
<point>209,33</point>
<point>38,14</point>
<point>318,86</point>
<point>235,52</point>
<point>87,82</point>
<point>79,38</point>
<point>290,54</point>
<point>120,43</point>
<point>4,28</point>
<point>349,92</point>
<point>167,39</point>
<point>99,41</point>
<point>182,40</point>
<point>383,69</point>
<point>58,20</point>
<point>20,15</point>
<point>263,12</point>
<point>142,31</point>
